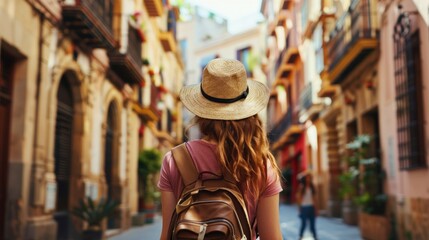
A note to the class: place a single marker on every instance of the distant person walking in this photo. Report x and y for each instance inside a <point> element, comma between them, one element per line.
<point>306,199</point>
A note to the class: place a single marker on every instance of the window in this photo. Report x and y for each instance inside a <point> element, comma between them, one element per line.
<point>244,56</point>
<point>409,101</point>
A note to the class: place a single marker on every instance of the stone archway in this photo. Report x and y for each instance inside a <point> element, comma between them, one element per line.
<point>67,142</point>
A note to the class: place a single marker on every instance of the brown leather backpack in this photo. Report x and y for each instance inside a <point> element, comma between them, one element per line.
<point>212,208</point>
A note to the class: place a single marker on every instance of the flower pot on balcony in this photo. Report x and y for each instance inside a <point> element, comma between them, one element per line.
<point>151,72</point>
<point>142,84</point>
<point>369,85</point>
<point>162,89</point>
<point>373,227</point>
<point>349,101</point>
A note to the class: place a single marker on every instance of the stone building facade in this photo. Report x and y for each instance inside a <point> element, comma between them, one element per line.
<point>370,62</point>
<point>404,130</point>
<point>72,90</point>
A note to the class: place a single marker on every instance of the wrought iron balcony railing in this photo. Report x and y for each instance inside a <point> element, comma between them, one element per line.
<point>354,37</point>
<point>128,65</point>
<point>90,21</point>
<point>281,127</point>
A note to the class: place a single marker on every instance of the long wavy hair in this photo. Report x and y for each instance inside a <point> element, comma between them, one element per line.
<point>243,150</point>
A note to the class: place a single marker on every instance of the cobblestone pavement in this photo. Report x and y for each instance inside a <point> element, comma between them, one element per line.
<point>327,228</point>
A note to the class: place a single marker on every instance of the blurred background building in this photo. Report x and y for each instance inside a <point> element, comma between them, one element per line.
<point>85,86</point>
<point>348,104</point>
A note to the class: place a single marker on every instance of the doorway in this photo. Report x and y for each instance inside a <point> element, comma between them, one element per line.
<point>63,156</point>
<point>110,158</point>
<point>7,67</point>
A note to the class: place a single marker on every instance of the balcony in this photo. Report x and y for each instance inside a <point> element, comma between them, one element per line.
<point>90,22</point>
<point>327,89</point>
<point>148,111</point>
<point>115,79</point>
<point>285,131</point>
<point>354,38</point>
<point>167,41</point>
<point>147,114</point>
<point>50,8</point>
<point>154,7</point>
<point>128,65</point>
<point>286,63</point>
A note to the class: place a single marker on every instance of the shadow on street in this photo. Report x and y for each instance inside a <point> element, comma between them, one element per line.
<point>327,228</point>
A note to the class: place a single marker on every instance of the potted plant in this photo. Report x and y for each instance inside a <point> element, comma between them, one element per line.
<point>349,180</point>
<point>93,213</point>
<point>149,164</point>
<point>367,188</point>
<point>348,185</point>
<point>372,201</point>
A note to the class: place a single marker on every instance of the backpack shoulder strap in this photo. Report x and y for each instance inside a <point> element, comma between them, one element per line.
<point>185,164</point>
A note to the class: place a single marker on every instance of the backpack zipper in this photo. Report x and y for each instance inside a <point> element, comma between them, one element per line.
<point>216,220</point>
<point>202,233</point>
<point>222,202</point>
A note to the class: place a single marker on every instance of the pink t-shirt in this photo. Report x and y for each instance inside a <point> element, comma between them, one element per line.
<point>204,155</point>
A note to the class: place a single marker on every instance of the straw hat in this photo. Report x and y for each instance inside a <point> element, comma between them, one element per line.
<point>225,93</point>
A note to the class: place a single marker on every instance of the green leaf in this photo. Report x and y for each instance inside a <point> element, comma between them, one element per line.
<point>94,212</point>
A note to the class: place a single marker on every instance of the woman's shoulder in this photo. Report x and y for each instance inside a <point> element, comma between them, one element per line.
<point>200,143</point>
<point>196,147</point>
<point>204,155</point>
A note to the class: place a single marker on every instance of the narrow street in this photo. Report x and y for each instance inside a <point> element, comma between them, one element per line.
<point>328,228</point>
